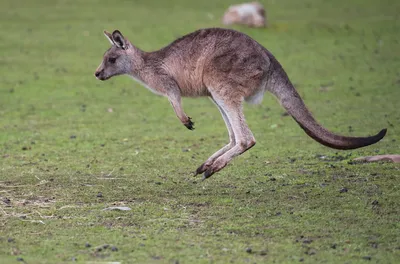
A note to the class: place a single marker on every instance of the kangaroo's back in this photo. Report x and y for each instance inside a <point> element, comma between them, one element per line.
<point>202,58</point>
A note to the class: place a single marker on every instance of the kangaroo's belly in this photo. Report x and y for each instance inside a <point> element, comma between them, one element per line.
<point>189,77</point>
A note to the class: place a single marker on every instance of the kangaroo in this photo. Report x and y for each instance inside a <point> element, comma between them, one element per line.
<point>227,66</point>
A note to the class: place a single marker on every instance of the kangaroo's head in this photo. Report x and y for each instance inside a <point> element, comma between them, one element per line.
<point>118,59</point>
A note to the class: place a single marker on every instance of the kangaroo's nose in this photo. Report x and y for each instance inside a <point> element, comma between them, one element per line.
<point>97,74</point>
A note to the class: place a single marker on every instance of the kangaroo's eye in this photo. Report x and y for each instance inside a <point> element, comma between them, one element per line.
<point>112,60</point>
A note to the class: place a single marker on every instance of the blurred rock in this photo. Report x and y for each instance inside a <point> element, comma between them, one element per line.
<point>251,14</point>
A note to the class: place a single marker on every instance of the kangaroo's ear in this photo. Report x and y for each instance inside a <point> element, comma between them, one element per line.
<point>119,40</point>
<point>109,37</point>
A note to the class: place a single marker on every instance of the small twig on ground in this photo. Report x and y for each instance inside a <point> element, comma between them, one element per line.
<point>44,217</point>
<point>67,206</point>
<point>108,175</point>
<point>34,221</point>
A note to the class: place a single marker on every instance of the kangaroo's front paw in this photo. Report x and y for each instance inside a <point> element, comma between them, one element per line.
<point>189,124</point>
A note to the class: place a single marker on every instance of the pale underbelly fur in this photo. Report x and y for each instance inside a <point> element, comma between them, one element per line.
<point>256,98</point>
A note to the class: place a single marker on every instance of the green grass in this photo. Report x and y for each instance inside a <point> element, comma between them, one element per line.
<point>60,146</point>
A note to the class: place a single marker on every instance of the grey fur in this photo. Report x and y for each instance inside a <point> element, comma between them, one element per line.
<point>227,66</point>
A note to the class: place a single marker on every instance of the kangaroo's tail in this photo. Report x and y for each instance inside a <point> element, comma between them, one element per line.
<point>283,89</point>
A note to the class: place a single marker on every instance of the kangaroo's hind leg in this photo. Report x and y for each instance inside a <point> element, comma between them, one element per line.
<point>243,137</point>
<point>203,167</point>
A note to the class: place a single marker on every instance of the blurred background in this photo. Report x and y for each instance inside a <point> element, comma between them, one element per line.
<point>71,145</point>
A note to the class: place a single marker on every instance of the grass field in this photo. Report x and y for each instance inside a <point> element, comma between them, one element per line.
<point>71,146</point>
